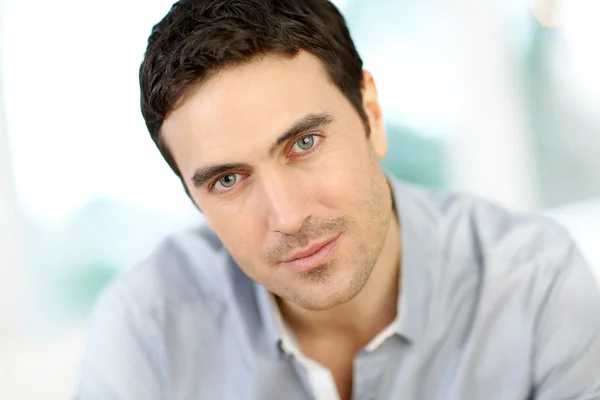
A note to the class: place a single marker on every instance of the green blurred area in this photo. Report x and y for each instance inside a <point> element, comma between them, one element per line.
<point>415,158</point>
<point>80,286</point>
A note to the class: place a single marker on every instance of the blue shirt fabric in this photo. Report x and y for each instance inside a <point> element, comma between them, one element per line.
<point>493,305</point>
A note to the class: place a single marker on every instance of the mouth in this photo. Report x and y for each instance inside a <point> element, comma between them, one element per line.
<point>313,256</point>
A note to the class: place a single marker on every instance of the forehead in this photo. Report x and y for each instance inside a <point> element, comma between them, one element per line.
<point>247,107</point>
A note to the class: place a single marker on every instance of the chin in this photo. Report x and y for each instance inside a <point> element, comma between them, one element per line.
<point>323,296</point>
<point>328,302</point>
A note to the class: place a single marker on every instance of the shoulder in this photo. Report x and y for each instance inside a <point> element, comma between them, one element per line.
<point>187,267</point>
<point>164,308</point>
<point>465,227</point>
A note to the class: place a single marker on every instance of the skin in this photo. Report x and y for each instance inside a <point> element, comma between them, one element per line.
<point>278,194</point>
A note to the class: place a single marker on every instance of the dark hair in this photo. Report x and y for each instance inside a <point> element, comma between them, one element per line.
<point>198,37</point>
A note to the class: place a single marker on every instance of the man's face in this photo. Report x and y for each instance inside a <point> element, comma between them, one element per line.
<point>282,168</point>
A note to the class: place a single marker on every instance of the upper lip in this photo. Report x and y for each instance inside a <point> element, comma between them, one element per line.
<point>310,250</point>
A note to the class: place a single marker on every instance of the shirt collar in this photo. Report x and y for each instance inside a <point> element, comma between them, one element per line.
<point>419,253</point>
<point>268,317</point>
<point>288,340</point>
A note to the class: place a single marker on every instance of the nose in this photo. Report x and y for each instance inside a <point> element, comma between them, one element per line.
<point>286,203</point>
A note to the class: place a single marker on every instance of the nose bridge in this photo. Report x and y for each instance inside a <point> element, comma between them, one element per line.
<point>285,202</point>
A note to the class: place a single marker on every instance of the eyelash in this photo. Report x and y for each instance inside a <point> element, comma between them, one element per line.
<point>317,144</point>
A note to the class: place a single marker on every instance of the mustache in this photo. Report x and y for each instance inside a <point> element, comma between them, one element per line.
<point>311,231</point>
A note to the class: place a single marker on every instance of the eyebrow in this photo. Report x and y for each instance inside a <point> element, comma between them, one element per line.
<point>306,123</point>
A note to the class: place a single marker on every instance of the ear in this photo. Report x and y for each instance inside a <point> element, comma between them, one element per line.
<point>374,114</point>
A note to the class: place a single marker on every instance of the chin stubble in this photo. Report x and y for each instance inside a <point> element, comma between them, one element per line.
<point>320,275</point>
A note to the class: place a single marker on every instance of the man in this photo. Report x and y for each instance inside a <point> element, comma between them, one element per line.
<point>317,275</point>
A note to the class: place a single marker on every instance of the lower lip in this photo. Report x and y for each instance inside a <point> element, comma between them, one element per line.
<point>320,257</point>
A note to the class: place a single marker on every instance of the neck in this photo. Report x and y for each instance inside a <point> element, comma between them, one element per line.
<point>363,317</point>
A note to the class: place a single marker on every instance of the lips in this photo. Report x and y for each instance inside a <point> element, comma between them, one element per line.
<point>313,256</point>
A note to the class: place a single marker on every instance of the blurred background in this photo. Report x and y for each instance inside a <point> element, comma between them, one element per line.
<point>499,98</point>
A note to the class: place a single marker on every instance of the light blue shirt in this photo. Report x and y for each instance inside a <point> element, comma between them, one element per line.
<point>493,306</point>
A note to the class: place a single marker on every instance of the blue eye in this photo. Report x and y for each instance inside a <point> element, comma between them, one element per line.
<point>305,143</point>
<point>227,183</point>
<point>228,180</point>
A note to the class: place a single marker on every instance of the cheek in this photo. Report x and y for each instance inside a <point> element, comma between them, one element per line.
<point>240,235</point>
<point>347,182</point>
